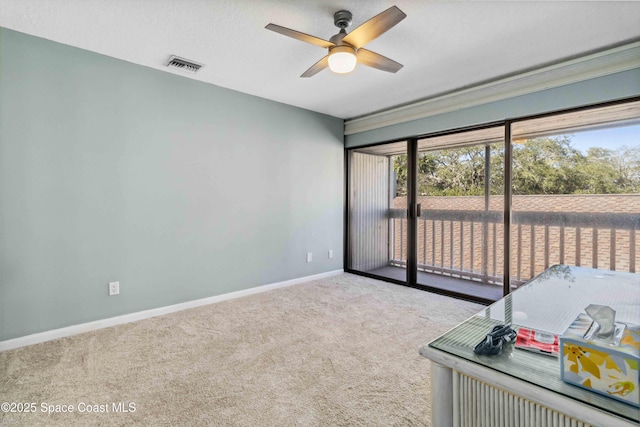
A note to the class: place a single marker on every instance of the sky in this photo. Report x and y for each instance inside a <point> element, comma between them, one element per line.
<point>611,138</point>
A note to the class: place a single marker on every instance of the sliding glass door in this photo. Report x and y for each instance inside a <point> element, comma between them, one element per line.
<point>461,224</point>
<point>479,212</point>
<point>576,191</point>
<point>429,212</point>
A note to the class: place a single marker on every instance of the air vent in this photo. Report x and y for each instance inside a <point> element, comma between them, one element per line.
<point>184,64</point>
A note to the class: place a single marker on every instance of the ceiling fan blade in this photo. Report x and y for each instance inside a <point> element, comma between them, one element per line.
<point>300,36</point>
<point>375,60</point>
<point>374,27</point>
<point>317,67</point>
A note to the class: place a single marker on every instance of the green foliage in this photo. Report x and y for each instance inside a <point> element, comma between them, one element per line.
<point>400,169</point>
<point>455,172</point>
<point>547,165</point>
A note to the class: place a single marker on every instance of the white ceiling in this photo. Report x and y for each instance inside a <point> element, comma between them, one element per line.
<point>444,45</point>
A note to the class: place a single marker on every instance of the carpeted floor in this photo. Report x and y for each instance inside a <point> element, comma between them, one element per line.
<point>341,351</point>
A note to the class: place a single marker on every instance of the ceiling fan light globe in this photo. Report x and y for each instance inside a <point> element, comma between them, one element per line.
<point>342,59</point>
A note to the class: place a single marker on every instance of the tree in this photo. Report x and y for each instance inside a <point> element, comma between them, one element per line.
<point>400,170</point>
<point>600,172</point>
<point>626,161</point>
<point>544,165</point>
<point>548,165</point>
<point>452,172</point>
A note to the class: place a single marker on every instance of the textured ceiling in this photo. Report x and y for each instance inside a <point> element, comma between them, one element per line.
<point>444,45</point>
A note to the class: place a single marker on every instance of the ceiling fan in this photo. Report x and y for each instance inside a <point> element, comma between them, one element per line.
<point>345,50</point>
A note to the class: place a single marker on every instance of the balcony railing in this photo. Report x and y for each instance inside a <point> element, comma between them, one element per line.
<point>469,243</point>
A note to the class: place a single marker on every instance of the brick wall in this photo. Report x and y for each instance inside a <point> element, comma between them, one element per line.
<point>459,244</point>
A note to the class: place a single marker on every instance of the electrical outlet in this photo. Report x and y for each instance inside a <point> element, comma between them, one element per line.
<point>309,256</point>
<point>330,253</point>
<point>114,288</point>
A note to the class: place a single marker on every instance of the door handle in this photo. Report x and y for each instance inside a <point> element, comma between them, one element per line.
<point>416,209</point>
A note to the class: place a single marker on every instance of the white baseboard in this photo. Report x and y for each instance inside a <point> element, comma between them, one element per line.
<point>140,315</point>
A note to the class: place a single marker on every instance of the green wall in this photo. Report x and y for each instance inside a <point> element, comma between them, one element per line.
<point>178,189</point>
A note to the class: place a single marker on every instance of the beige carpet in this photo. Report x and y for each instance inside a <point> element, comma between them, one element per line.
<point>341,351</point>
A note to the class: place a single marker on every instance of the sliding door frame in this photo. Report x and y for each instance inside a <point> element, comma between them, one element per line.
<point>412,210</point>
<point>508,197</point>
